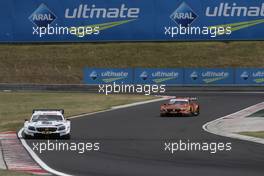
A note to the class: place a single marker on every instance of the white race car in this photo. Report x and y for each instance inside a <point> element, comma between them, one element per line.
<point>47,122</point>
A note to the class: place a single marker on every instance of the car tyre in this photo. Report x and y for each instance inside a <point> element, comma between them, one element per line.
<point>197,112</point>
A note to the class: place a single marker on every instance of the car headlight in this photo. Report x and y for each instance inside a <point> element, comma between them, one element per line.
<point>31,128</point>
<point>62,128</point>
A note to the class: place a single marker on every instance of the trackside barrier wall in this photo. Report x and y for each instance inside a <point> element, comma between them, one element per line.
<point>127,20</point>
<point>176,76</point>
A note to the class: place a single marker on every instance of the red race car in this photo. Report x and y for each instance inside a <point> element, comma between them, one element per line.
<point>180,106</point>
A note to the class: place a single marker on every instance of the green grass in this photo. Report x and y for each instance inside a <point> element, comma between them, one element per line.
<point>63,63</point>
<point>10,173</point>
<point>258,134</point>
<point>17,106</point>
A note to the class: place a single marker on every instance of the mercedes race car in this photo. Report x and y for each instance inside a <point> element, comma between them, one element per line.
<point>47,122</point>
<point>181,107</point>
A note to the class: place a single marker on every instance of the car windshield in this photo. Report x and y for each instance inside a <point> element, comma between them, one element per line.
<point>178,102</point>
<point>37,118</point>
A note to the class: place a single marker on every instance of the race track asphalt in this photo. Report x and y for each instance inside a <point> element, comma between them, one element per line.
<point>132,142</point>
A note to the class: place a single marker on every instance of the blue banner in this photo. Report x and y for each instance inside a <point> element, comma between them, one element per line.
<point>250,76</point>
<point>175,76</point>
<point>158,76</point>
<point>126,20</point>
<point>208,76</point>
<point>108,76</point>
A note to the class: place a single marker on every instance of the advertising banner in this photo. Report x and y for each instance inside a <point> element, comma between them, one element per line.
<point>108,76</point>
<point>250,76</point>
<point>175,76</point>
<point>158,76</point>
<point>126,20</point>
<point>208,76</point>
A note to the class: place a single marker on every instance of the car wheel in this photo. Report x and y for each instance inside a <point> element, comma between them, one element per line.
<point>197,112</point>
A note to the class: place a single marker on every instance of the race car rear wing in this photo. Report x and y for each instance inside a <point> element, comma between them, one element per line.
<point>58,110</point>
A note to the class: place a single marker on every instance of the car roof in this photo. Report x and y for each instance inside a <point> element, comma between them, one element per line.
<point>47,113</point>
<point>179,99</point>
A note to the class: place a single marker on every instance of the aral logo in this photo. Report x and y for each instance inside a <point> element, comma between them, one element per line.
<point>183,15</point>
<point>194,75</point>
<point>93,75</point>
<point>42,16</point>
<point>244,75</point>
<point>144,75</point>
